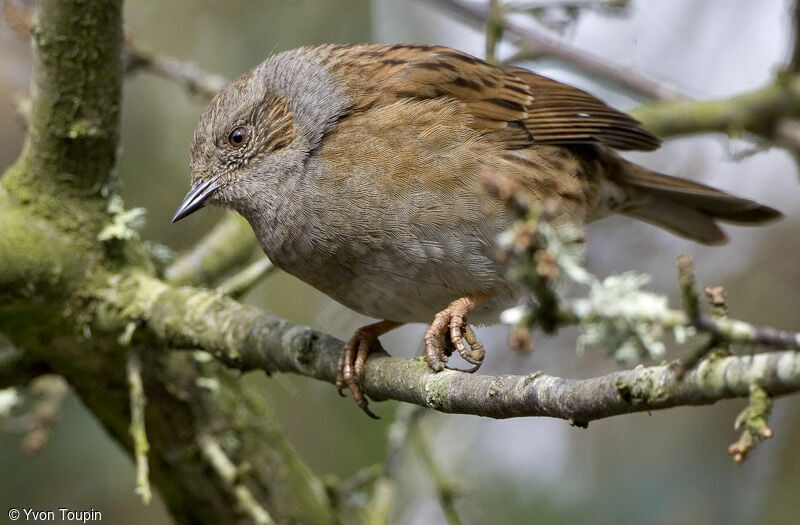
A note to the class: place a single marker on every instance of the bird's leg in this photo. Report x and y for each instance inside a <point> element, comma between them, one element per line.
<point>353,357</point>
<point>453,320</point>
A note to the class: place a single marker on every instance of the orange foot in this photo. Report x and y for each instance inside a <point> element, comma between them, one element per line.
<point>453,318</point>
<point>354,354</point>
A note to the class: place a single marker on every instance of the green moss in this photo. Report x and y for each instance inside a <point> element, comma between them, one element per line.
<point>624,390</point>
<point>711,375</point>
<point>437,386</point>
<point>37,259</point>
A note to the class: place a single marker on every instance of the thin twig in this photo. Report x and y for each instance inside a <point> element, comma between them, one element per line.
<point>228,245</point>
<point>243,281</point>
<point>141,446</point>
<point>135,57</point>
<point>543,44</point>
<point>196,80</point>
<point>524,5</point>
<point>719,310</point>
<point>494,30</point>
<point>445,492</point>
<point>229,473</point>
<point>690,299</point>
<point>753,422</point>
<point>689,295</point>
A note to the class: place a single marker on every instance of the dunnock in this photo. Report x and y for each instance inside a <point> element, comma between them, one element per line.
<point>359,168</point>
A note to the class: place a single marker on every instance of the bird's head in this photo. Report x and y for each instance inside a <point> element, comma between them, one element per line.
<point>245,141</point>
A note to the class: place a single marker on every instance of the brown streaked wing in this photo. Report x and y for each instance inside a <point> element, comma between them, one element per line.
<point>512,105</point>
<point>563,114</point>
<point>495,99</point>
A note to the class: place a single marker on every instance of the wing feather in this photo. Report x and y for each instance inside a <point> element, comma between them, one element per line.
<point>511,105</point>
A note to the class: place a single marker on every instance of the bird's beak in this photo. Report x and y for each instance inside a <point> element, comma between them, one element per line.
<point>195,199</point>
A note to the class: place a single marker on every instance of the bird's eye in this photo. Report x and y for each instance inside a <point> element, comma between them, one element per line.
<point>237,137</point>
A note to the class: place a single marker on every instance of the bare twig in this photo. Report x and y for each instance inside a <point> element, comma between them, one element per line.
<point>137,427</point>
<point>135,57</point>
<point>753,422</point>
<point>525,5</point>
<point>242,282</point>
<point>756,112</point>
<point>229,473</point>
<point>543,44</point>
<point>494,30</point>
<point>188,74</point>
<point>689,294</point>
<point>228,245</point>
<point>445,492</point>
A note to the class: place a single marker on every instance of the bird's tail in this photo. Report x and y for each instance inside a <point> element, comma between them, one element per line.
<point>687,208</point>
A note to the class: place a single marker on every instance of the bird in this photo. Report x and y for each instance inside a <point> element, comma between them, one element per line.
<point>360,168</point>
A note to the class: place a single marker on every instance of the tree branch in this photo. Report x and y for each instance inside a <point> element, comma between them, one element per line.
<point>228,245</point>
<point>72,119</point>
<point>757,112</point>
<point>542,44</point>
<point>246,338</point>
<point>242,282</point>
<point>188,74</point>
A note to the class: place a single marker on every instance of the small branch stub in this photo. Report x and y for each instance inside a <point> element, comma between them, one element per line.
<point>753,422</point>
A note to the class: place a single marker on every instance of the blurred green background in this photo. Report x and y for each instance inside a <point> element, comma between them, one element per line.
<point>668,467</point>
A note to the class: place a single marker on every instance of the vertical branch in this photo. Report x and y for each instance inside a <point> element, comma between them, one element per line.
<point>229,473</point>
<point>794,60</point>
<point>494,30</point>
<point>77,87</point>
<point>444,489</point>
<point>690,299</point>
<point>719,310</point>
<point>137,428</point>
<point>688,286</point>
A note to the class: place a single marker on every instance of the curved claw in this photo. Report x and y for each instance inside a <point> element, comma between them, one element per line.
<point>452,322</point>
<point>350,369</point>
<point>471,370</point>
<point>364,404</point>
<point>472,361</point>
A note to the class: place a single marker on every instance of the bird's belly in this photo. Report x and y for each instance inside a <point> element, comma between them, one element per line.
<point>373,277</point>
